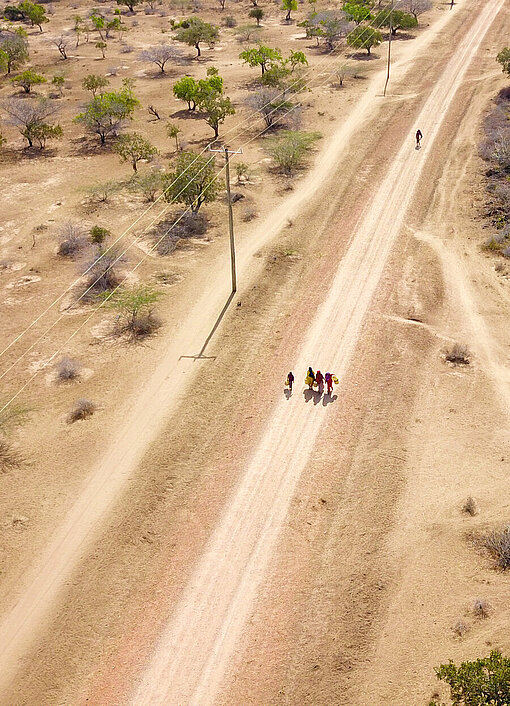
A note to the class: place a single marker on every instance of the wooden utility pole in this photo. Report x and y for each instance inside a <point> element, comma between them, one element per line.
<point>227,154</point>
<point>389,49</point>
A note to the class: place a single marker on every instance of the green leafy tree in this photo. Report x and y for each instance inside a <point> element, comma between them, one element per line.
<point>98,235</point>
<point>262,56</point>
<point>482,682</point>
<point>297,58</point>
<point>99,24</point>
<point>149,183</point>
<point>130,4</point>
<point>105,114</point>
<point>289,6</point>
<point>290,148</point>
<point>34,12</point>
<point>257,13</point>
<point>215,107</point>
<point>44,132</point>
<point>58,81</point>
<point>133,148</point>
<point>113,25</point>
<point>27,79</point>
<point>364,38</point>
<point>102,46</point>
<point>13,13</point>
<point>395,20</point>
<point>195,31</point>
<point>13,50</point>
<point>94,83</point>
<point>503,58</point>
<point>357,12</point>
<point>186,89</point>
<point>173,131</point>
<point>193,182</point>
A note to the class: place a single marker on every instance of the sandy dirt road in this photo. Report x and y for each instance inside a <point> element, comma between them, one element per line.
<point>195,652</point>
<point>39,589</point>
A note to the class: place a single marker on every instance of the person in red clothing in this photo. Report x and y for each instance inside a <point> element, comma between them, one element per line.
<point>329,383</point>
<point>319,379</point>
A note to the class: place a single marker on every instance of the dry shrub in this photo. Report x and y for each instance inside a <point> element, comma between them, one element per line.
<point>102,275</point>
<point>481,608</point>
<point>497,544</point>
<point>470,507</point>
<point>72,239</point>
<point>142,326</point>
<point>167,234</point>
<point>460,628</point>
<point>67,369</point>
<point>458,354</point>
<point>83,409</point>
<point>9,459</point>
<point>249,214</point>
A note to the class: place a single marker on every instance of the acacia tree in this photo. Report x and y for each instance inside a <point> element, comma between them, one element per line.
<point>133,148</point>
<point>13,50</point>
<point>364,38</point>
<point>193,182</point>
<point>33,12</point>
<point>105,114</point>
<point>262,56</point>
<point>289,6</point>
<point>186,89</point>
<point>130,4</point>
<point>398,19</point>
<point>257,13</point>
<point>357,12</point>
<point>27,79</point>
<point>94,83</point>
<point>31,118</point>
<point>160,55</point>
<point>195,31</point>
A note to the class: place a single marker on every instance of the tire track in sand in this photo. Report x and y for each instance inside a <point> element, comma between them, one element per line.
<point>196,650</point>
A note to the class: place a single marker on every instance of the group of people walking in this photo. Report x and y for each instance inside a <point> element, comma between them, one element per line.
<point>315,380</point>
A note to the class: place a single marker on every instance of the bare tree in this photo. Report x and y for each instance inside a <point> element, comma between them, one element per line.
<point>415,7</point>
<point>269,103</point>
<point>62,43</point>
<point>161,55</point>
<point>29,116</point>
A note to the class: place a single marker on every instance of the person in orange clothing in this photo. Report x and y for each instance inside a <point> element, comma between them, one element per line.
<point>319,379</point>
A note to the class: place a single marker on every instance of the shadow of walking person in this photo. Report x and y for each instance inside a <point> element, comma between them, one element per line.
<point>317,394</point>
<point>328,399</point>
<point>288,393</point>
<point>308,394</point>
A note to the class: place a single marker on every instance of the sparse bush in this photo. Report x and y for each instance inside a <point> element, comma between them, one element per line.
<point>135,307</point>
<point>185,225</point>
<point>102,275</point>
<point>98,235</point>
<point>149,184</point>
<point>470,507</point>
<point>289,149</point>
<point>67,369</point>
<point>83,409</point>
<point>72,239</point>
<point>497,544</point>
<point>101,192</point>
<point>230,21</point>
<point>477,683</point>
<point>242,172</point>
<point>458,354</point>
<point>249,214</point>
<point>481,608</point>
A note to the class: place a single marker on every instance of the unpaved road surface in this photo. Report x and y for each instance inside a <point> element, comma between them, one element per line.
<point>196,650</point>
<point>194,653</point>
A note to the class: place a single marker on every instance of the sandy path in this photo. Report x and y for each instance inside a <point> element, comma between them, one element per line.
<point>195,652</point>
<point>146,414</point>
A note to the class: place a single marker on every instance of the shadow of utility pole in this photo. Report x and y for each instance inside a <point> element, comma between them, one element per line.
<point>200,355</point>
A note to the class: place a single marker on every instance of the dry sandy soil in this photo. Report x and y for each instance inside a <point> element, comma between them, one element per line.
<point>204,539</point>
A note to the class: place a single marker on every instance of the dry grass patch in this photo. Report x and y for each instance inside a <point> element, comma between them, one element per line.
<point>9,459</point>
<point>496,544</point>
<point>458,354</point>
<point>470,507</point>
<point>481,608</point>
<point>67,369</point>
